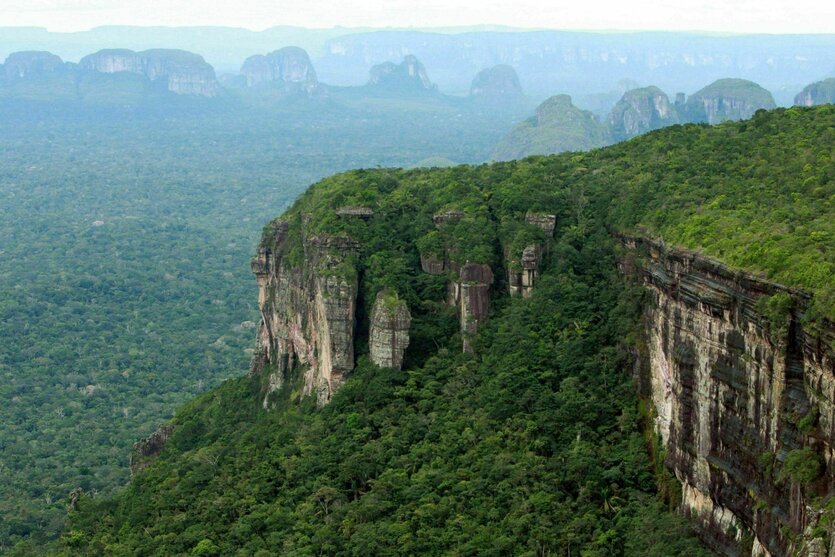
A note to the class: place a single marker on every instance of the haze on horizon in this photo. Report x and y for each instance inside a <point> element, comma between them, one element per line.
<point>742,16</point>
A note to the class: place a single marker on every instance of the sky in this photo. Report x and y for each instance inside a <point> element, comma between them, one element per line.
<point>734,16</point>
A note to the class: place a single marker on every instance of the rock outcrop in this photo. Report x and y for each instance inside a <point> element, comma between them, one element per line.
<point>146,450</point>
<point>744,399</point>
<point>821,92</point>
<point>468,289</point>
<point>181,72</point>
<point>307,297</point>
<point>32,65</point>
<point>498,85</point>
<point>389,330</point>
<point>727,99</point>
<point>408,76</point>
<point>353,211</point>
<point>471,293</point>
<point>640,111</point>
<point>288,69</point>
<point>523,269</point>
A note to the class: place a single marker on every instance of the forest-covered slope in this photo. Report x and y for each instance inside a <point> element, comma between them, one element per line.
<point>535,443</point>
<point>125,236</point>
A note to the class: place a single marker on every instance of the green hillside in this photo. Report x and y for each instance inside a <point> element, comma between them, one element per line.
<point>556,127</point>
<point>125,291</point>
<point>534,445</point>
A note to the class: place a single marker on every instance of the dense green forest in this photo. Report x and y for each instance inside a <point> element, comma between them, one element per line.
<point>534,445</point>
<point>125,235</point>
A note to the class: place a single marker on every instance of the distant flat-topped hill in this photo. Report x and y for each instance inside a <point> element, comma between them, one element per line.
<point>577,63</point>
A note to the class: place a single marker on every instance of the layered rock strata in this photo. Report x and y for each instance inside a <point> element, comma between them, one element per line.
<point>740,399</point>
<point>389,330</point>
<point>308,312</point>
<point>472,295</point>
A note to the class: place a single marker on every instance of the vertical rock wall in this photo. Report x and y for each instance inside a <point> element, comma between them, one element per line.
<point>736,395</point>
<point>308,310</point>
<point>473,300</point>
<point>389,330</point>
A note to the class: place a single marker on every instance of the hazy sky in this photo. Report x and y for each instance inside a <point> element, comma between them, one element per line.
<point>770,16</point>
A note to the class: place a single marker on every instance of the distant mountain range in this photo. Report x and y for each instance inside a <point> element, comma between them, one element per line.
<point>127,77</point>
<point>582,64</point>
<point>559,126</point>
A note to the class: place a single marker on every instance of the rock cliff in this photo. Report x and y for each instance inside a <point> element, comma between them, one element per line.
<point>821,92</point>
<point>727,99</point>
<point>308,311</point>
<point>389,330</point>
<point>181,72</point>
<point>640,111</point>
<point>471,294</point>
<point>32,64</point>
<point>408,76</point>
<point>289,69</point>
<point>744,400</point>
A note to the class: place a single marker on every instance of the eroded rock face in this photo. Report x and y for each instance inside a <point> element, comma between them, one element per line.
<point>183,73</point>
<point>523,269</point>
<point>389,330</point>
<point>822,92</point>
<point>522,274</point>
<point>409,75</point>
<point>289,68</point>
<point>497,85</point>
<point>731,390</point>
<point>639,111</point>
<point>146,450</point>
<point>473,294</point>
<point>32,64</point>
<point>727,99</point>
<point>354,211</point>
<point>308,312</point>
<point>544,221</point>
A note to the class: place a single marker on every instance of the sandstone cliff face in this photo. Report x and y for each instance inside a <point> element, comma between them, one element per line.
<point>389,330</point>
<point>32,64</point>
<point>727,99</point>
<point>821,92</point>
<point>289,68</point>
<point>640,111</point>
<point>182,72</point>
<point>739,398</point>
<point>471,293</point>
<point>308,312</point>
<point>409,75</point>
